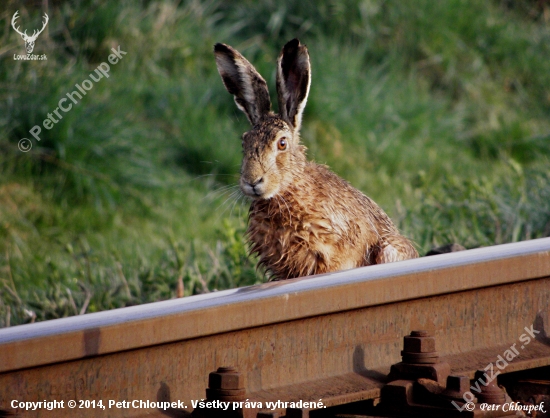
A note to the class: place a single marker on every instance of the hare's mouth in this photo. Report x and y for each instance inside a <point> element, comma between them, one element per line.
<point>257,189</point>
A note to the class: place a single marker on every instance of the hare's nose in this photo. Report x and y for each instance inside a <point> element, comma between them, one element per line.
<point>256,185</point>
<point>257,182</point>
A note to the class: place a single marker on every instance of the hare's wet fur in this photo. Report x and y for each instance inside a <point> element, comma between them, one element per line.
<point>303,219</point>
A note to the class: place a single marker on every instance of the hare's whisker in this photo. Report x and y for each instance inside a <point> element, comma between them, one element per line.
<point>226,203</point>
<point>220,191</point>
<point>235,201</point>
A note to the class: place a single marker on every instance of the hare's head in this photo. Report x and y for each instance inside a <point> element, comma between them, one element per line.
<point>273,157</point>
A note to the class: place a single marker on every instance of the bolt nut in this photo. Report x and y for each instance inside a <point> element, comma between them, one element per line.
<point>490,392</point>
<point>458,383</point>
<point>420,358</point>
<point>419,342</point>
<point>226,378</point>
<point>456,387</point>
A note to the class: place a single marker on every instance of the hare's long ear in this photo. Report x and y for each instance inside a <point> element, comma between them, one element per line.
<point>243,81</point>
<point>293,80</point>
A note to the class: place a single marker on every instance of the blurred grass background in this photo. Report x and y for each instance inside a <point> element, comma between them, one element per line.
<point>440,111</point>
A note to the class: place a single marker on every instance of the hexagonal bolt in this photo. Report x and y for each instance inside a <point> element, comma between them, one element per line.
<point>419,342</point>
<point>226,378</point>
<point>456,387</point>
<point>490,392</point>
<point>458,384</point>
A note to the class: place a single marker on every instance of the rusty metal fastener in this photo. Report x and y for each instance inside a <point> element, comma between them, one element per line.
<point>419,348</point>
<point>419,342</point>
<point>225,378</point>
<point>418,361</point>
<point>226,384</point>
<point>490,392</point>
<point>456,387</point>
<point>420,358</point>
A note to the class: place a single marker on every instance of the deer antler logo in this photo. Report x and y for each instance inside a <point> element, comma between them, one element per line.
<point>29,40</point>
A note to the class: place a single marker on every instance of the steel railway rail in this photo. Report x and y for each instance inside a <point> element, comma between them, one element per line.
<point>334,340</point>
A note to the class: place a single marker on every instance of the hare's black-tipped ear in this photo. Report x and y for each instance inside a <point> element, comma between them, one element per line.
<point>293,80</point>
<point>243,81</point>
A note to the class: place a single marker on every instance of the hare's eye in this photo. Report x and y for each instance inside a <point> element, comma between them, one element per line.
<point>282,144</point>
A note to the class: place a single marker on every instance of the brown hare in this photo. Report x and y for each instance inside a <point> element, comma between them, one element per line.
<point>303,219</point>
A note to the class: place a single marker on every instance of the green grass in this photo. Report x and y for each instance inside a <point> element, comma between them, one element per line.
<point>440,111</point>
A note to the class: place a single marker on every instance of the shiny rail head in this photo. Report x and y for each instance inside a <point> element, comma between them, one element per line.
<point>538,250</point>
<point>275,302</point>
